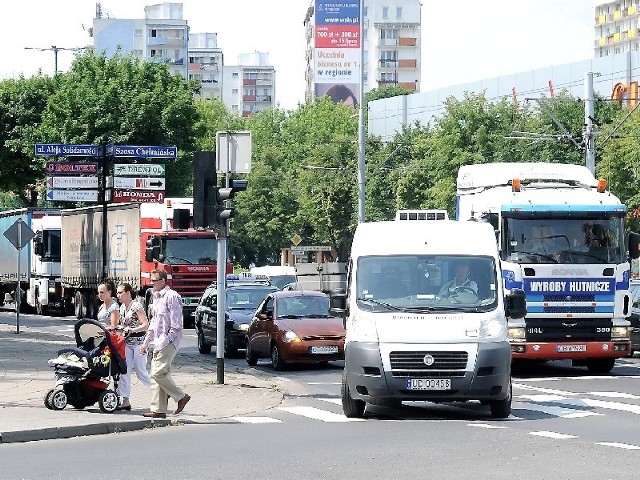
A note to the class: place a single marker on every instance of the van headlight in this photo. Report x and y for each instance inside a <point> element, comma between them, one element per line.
<point>362,329</point>
<point>493,328</point>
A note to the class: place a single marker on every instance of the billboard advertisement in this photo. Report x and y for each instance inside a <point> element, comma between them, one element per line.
<point>336,58</point>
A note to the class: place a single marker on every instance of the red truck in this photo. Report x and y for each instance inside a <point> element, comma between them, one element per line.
<point>140,237</point>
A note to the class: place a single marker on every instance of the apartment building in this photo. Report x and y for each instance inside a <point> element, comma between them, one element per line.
<point>391,42</point>
<point>249,86</point>
<point>206,63</point>
<point>161,36</point>
<point>617,27</point>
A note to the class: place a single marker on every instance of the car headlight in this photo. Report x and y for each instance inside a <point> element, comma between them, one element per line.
<point>620,333</point>
<point>243,327</point>
<point>517,333</point>
<point>290,337</point>
<point>493,328</point>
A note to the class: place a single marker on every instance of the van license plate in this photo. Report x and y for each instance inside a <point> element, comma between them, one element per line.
<point>428,384</point>
<point>571,348</point>
<point>324,350</point>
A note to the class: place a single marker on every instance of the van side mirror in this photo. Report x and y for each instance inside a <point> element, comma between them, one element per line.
<point>338,304</point>
<point>516,304</point>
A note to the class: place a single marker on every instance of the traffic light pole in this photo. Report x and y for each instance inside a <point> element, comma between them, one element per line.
<point>222,303</point>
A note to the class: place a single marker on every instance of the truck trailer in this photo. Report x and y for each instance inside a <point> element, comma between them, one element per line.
<point>140,237</point>
<point>39,260</point>
<point>561,239</point>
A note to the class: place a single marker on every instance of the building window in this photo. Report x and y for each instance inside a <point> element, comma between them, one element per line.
<point>234,91</point>
<point>365,11</point>
<point>388,33</point>
<point>153,32</point>
<point>234,108</point>
<point>234,74</point>
<point>385,12</point>
<point>398,12</point>
<point>138,32</point>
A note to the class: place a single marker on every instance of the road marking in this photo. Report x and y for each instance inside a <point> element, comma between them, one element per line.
<point>557,411</point>
<point>559,436</point>
<point>484,425</point>
<point>256,420</point>
<point>626,446</point>
<point>318,414</point>
<point>614,395</point>
<point>324,383</point>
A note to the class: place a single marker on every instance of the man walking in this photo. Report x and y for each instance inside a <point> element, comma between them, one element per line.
<point>165,331</point>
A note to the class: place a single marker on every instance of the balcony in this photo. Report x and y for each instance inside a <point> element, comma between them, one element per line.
<point>408,63</point>
<point>387,63</point>
<point>248,81</point>
<point>246,113</point>
<point>386,82</point>
<point>407,42</point>
<point>263,98</point>
<point>408,85</point>
<point>248,98</point>
<point>388,42</point>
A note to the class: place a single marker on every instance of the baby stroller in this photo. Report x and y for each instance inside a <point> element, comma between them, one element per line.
<point>84,373</point>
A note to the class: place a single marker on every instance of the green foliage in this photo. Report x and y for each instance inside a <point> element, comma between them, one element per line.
<point>22,103</point>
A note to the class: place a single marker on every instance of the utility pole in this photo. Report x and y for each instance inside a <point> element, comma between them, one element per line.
<point>361,131</point>
<point>55,51</point>
<point>588,135</point>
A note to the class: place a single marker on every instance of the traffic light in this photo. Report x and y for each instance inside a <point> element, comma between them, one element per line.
<point>220,195</point>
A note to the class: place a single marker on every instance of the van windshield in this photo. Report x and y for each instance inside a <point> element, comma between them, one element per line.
<point>426,283</point>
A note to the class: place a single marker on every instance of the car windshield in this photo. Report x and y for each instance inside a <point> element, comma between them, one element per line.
<point>303,306</point>
<point>246,298</point>
<point>425,284</point>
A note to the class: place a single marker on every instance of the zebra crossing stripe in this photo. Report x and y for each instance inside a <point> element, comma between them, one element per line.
<point>256,420</point>
<point>626,446</point>
<point>318,414</point>
<point>556,435</point>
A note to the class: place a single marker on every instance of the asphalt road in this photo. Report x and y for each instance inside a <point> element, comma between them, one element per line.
<point>565,424</point>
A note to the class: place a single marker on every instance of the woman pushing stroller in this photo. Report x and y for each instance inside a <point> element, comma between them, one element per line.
<point>134,323</point>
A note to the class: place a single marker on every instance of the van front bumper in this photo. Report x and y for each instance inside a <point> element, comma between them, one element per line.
<point>488,379</point>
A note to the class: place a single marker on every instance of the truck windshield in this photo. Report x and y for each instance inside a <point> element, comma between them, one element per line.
<point>51,245</point>
<point>426,284</point>
<point>189,251</point>
<point>564,240</point>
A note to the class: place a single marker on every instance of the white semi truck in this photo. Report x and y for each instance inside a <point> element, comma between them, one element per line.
<point>39,260</point>
<point>561,239</point>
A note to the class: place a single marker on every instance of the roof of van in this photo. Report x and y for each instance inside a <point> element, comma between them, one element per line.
<point>441,237</point>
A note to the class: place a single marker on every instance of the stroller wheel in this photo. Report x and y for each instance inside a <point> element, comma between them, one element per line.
<point>108,401</point>
<point>47,399</point>
<point>58,399</point>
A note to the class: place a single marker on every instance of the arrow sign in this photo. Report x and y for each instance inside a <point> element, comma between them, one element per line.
<point>139,183</point>
<point>148,170</point>
<point>19,234</point>
<point>72,195</point>
<point>72,182</point>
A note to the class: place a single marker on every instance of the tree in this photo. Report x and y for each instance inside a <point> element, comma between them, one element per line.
<point>125,101</point>
<point>22,103</point>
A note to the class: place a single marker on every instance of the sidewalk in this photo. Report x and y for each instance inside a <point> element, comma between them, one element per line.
<point>25,377</point>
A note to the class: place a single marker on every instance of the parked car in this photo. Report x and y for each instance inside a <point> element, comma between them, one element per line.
<point>295,327</point>
<point>242,299</point>
<point>635,317</point>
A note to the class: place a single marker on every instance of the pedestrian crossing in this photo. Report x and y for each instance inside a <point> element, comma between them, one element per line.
<point>529,403</point>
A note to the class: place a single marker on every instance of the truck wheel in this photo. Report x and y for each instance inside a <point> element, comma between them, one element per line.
<point>351,407</point>
<point>501,408</point>
<point>600,365</point>
<point>80,307</point>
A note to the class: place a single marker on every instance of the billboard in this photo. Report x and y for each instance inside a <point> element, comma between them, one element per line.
<point>336,56</point>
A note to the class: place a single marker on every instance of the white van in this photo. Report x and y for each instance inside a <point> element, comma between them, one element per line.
<point>426,316</point>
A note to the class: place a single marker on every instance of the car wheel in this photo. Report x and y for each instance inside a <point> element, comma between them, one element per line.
<point>351,407</point>
<point>203,346</point>
<point>251,357</point>
<point>600,365</point>
<point>59,400</point>
<point>276,359</point>
<point>501,408</point>
<point>108,401</point>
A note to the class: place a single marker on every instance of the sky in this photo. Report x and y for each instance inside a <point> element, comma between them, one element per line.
<point>462,41</point>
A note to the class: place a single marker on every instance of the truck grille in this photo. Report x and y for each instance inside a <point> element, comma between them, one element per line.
<point>563,298</point>
<point>191,284</point>
<point>411,364</point>
<point>569,330</point>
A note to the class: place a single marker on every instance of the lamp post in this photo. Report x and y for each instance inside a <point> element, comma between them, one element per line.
<point>361,170</point>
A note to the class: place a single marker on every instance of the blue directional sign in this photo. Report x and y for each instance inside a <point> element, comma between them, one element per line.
<point>65,150</point>
<point>137,151</point>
